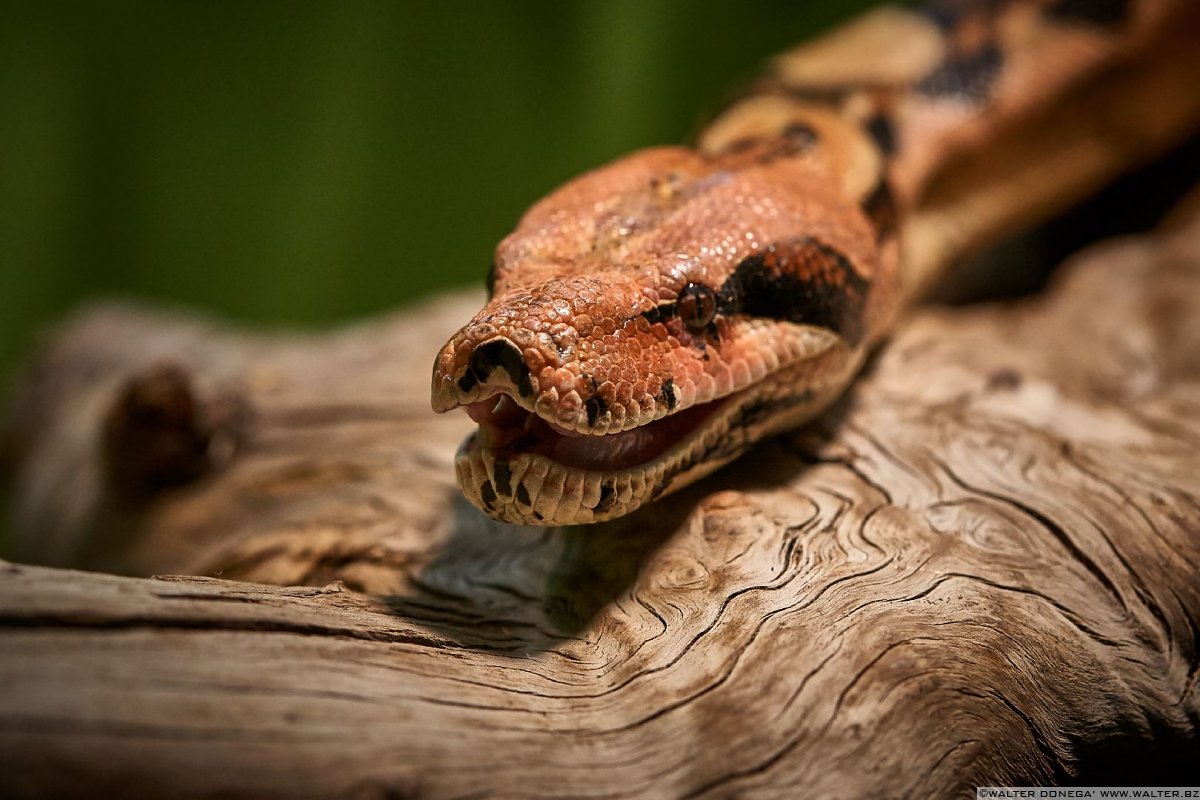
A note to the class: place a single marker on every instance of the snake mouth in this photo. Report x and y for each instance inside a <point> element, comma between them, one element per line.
<point>519,467</point>
<point>507,430</point>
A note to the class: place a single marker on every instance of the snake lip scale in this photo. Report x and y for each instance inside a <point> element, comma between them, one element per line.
<point>652,319</point>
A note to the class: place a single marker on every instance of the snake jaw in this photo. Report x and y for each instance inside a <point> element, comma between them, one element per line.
<point>533,474</point>
<point>521,466</point>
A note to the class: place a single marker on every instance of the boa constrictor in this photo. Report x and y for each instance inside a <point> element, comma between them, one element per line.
<point>652,319</point>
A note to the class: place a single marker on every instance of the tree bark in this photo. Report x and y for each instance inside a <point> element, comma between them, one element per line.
<point>979,569</point>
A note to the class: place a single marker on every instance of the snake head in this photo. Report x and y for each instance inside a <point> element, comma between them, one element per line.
<point>649,321</point>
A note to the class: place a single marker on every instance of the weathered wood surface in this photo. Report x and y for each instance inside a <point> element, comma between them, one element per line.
<point>981,568</point>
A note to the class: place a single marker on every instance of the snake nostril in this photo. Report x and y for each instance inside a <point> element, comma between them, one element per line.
<point>467,382</point>
<point>502,354</point>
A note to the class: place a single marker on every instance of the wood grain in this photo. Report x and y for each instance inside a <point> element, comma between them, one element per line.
<point>979,569</point>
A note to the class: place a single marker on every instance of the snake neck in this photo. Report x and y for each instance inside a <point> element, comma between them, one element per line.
<point>957,124</point>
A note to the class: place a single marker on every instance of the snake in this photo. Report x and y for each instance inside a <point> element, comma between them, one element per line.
<point>651,320</point>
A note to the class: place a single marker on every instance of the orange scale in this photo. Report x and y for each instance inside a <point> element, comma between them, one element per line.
<point>741,372</point>
<point>534,359</point>
<point>564,378</point>
<point>618,413</point>
<point>624,393</point>
<point>570,402</point>
<point>523,337</point>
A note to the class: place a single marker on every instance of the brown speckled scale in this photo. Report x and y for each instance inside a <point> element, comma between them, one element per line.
<point>683,303</point>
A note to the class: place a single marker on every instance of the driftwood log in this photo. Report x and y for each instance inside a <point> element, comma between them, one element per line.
<point>980,568</point>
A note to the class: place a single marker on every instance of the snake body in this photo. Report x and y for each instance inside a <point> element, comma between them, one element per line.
<point>652,319</point>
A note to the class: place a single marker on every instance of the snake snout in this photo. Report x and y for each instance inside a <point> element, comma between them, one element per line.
<point>463,375</point>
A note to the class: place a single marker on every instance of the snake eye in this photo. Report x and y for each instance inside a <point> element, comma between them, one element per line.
<point>697,305</point>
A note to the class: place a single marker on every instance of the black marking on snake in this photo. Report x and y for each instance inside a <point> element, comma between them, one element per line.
<point>661,313</point>
<point>489,282</point>
<point>1105,13</point>
<point>467,382</point>
<point>608,497</point>
<point>966,77</point>
<point>729,297</point>
<point>880,208</point>
<point>523,494</point>
<point>502,473</point>
<point>881,128</point>
<point>594,406</point>
<point>505,355</point>
<point>804,281</point>
<point>487,494</point>
<point>667,394</point>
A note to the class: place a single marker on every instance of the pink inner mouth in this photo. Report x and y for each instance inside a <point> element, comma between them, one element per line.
<point>505,426</point>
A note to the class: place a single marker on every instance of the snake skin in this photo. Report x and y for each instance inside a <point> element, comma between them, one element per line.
<point>652,319</point>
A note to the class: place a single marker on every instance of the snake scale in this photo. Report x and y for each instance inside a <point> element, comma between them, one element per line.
<point>650,320</point>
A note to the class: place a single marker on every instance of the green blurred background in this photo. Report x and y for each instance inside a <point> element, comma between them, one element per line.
<point>308,162</point>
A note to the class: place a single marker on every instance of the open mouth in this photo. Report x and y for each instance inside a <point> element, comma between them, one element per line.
<point>506,428</point>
